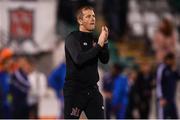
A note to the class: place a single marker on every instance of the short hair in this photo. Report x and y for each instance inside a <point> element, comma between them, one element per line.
<point>169,56</point>
<point>118,67</point>
<point>79,13</point>
<point>167,28</point>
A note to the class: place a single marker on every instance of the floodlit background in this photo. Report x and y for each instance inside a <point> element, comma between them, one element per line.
<point>32,59</point>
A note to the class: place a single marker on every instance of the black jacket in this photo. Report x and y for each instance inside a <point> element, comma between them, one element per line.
<point>82,54</point>
<point>169,82</point>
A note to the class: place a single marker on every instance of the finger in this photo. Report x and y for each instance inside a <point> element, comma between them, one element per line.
<point>102,29</point>
<point>106,29</point>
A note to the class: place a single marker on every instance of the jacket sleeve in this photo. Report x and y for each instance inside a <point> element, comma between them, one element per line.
<point>165,85</point>
<point>104,54</point>
<point>118,91</point>
<point>80,57</point>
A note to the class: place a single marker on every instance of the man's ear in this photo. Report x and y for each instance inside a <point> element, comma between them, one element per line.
<point>80,21</point>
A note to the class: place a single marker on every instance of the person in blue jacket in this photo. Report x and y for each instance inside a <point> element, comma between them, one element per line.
<point>4,90</point>
<point>108,85</point>
<point>56,81</point>
<point>121,90</point>
<point>5,63</point>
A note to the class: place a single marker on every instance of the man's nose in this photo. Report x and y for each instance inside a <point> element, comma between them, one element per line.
<point>92,18</point>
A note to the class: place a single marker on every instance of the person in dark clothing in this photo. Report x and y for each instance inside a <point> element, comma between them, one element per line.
<point>82,52</point>
<point>132,94</point>
<point>145,85</point>
<point>168,84</point>
<point>19,88</point>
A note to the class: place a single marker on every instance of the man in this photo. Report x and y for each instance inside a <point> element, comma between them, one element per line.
<point>108,85</point>
<point>166,88</point>
<point>82,53</point>
<point>19,88</point>
<point>144,84</point>
<point>123,87</point>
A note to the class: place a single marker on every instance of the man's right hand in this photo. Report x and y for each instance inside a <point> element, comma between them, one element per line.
<point>163,102</point>
<point>103,36</point>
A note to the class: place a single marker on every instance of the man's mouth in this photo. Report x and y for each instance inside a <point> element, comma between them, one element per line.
<point>92,23</point>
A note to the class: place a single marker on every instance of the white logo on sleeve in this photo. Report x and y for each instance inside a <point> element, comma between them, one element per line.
<point>85,44</point>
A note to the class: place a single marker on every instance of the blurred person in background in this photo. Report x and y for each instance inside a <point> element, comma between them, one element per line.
<point>133,98</point>
<point>56,81</point>
<point>19,89</point>
<point>108,85</point>
<point>82,51</point>
<point>122,87</point>
<point>145,83</point>
<point>167,77</point>
<point>165,39</point>
<point>5,62</point>
<point>38,86</point>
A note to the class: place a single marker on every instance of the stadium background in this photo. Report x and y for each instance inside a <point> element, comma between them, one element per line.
<point>37,28</point>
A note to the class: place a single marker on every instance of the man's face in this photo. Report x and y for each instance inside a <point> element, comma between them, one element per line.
<point>171,62</point>
<point>24,65</point>
<point>88,20</point>
<point>146,68</point>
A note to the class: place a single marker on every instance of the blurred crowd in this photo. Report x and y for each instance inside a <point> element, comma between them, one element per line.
<point>127,88</point>
<point>22,86</point>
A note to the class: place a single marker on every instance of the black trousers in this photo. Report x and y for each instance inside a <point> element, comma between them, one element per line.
<point>108,108</point>
<point>33,111</point>
<point>89,100</point>
<point>170,111</point>
<point>20,112</point>
<point>144,108</point>
<point>1,111</point>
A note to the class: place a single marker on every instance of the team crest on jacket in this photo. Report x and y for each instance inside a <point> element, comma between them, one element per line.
<point>75,112</point>
<point>21,24</point>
